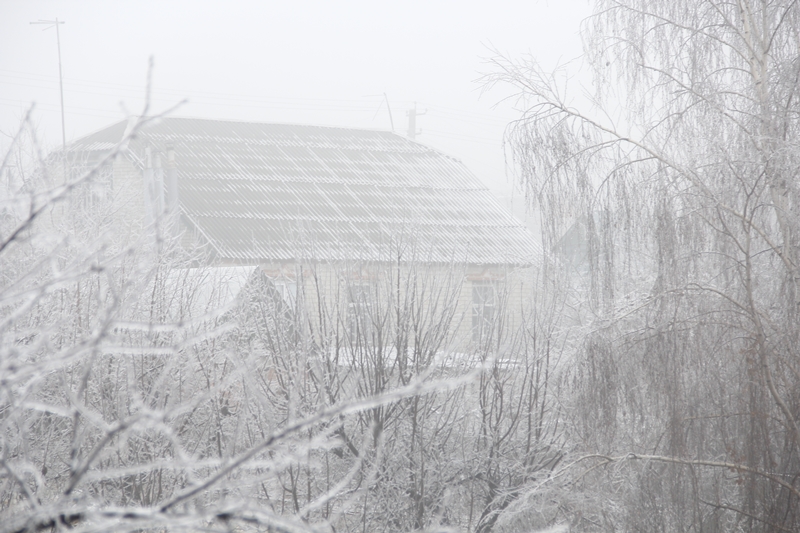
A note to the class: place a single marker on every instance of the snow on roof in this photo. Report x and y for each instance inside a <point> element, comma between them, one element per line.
<point>282,192</point>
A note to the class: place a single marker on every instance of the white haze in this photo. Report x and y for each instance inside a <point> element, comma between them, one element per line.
<point>326,63</point>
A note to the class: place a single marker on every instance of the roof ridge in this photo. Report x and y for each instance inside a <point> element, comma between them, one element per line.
<point>260,190</point>
<point>263,123</point>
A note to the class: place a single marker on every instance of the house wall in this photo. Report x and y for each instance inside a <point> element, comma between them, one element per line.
<point>326,291</point>
<point>110,201</point>
<point>116,201</point>
<point>128,197</point>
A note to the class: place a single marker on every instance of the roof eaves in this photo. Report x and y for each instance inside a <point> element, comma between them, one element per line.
<point>195,226</point>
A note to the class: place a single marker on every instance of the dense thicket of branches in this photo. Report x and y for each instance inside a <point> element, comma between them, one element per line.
<point>684,179</point>
<point>142,388</point>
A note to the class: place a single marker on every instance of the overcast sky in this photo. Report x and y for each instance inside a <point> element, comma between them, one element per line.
<point>325,62</point>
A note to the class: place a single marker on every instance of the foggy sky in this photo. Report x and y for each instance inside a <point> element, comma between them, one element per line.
<point>326,63</point>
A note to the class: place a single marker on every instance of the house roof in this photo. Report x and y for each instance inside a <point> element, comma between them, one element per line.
<point>281,192</point>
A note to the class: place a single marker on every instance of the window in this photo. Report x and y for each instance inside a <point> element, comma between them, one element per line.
<point>484,309</point>
<point>95,193</point>
<point>287,290</point>
<point>359,306</point>
<point>280,294</point>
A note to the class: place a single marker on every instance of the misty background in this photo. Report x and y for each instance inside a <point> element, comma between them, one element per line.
<point>246,319</point>
<point>323,63</point>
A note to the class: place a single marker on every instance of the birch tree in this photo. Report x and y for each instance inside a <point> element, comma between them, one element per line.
<point>684,170</point>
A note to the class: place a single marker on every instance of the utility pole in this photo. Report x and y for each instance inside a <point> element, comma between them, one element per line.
<point>391,120</point>
<point>412,115</point>
<point>388,107</point>
<point>50,24</point>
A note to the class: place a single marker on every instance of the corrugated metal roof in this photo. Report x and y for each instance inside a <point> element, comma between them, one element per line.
<point>280,192</point>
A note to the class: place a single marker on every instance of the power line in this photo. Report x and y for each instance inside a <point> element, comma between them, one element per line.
<point>456,111</point>
<point>445,112</point>
<point>462,137</point>
<point>230,101</point>
<point>158,96</point>
<point>181,93</point>
<point>24,104</point>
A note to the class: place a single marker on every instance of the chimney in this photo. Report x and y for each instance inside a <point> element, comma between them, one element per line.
<point>171,183</point>
<point>153,187</point>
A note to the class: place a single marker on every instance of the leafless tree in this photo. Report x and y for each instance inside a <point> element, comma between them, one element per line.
<point>142,391</point>
<point>135,395</point>
<point>684,175</point>
<point>453,457</point>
